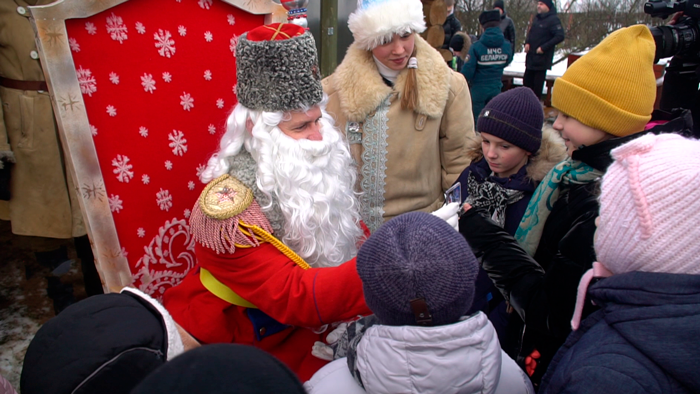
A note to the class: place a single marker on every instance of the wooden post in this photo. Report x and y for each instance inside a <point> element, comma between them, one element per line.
<point>329,37</point>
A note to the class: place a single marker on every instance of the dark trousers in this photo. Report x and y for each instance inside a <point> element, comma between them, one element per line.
<point>534,79</point>
<point>93,284</point>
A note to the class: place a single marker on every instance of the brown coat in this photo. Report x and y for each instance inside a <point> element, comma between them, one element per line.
<point>41,201</point>
<point>406,159</point>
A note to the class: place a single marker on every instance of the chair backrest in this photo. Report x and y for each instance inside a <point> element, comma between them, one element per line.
<point>141,90</point>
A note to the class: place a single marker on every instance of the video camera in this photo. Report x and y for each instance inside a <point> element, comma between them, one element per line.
<point>682,38</point>
<point>681,41</point>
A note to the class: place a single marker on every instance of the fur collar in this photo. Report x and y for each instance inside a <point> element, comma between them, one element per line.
<point>550,153</point>
<point>361,88</point>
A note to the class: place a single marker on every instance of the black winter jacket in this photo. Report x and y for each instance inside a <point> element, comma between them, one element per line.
<point>643,340</point>
<point>508,29</point>
<point>542,290</point>
<point>451,27</point>
<point>546,32</point>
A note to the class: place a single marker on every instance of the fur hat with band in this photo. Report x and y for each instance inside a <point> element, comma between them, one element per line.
<point>489,16</point>
<point>277,69</point>
<point>515,116</point>
<point>374,22</point>
<point>611,88</point>
<point>417,270</point>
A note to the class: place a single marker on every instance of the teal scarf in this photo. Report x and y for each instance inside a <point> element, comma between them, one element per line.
<point>566,173</point>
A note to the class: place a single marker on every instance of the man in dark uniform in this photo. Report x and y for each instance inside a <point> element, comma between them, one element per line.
<point>545,33</point>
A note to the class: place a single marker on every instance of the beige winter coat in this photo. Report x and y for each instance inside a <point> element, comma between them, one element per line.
<point>406,159</point>
<point>41,201</point>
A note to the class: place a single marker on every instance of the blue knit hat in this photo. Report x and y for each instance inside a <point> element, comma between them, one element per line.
<point>417,264</point>
<point>516,116</point>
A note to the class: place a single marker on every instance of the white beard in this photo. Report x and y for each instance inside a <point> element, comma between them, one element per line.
<point>312,181</point>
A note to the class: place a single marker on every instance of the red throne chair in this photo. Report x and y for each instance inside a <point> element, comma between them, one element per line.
<point>141,90</point>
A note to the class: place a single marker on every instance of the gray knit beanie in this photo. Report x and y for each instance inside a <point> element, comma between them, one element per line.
<point>277,69</point>
<point>417,264</point>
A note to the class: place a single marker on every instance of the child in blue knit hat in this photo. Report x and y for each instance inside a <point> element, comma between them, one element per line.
<point>511,155</point>
<point>418,278</point>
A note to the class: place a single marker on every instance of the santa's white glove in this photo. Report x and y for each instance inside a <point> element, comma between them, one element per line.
<point>448,213</point>
<point>322,351</point>
<point>325,351</point>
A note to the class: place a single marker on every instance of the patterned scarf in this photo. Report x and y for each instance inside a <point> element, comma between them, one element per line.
<point>568,172</point>
<point>347,344</point>
<point>493,197</point>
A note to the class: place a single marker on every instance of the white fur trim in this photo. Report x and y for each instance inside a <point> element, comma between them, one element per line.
<point>175,346</point>
<point>374,26</point>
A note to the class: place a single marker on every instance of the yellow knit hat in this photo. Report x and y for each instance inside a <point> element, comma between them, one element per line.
<point>611,88</point>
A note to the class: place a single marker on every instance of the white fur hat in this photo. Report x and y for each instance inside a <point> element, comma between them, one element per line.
<point>374,22</point>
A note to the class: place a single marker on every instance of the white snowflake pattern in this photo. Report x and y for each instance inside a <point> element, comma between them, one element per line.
<point>168,165</point>
<point>182,30</point>
<point>115,203</point>
<point>186,101</point>
<point>140,28</point>
<point>143,131</point>
<point>200,169</point>
<point>116,28</point>
<point>164,200</point>
<point>145,179</point>
<point>122,168</point>
<point>73,43</point>
<point>235,89</point>
<point>190,185</point>
<point>207,75</point>
<point>212,130</point>
<point>208,37</point>
<point>148,83</point>
<point>167,77</point>
<point>111,110</point>
<point>141,232</point>
<point>231,19</point>
<point>219,104</point>
<point>124,252</point>
<point>93,130</point>
<point>88,84</point>
<point>233,43</point>
<point>205,4</point>
<point>91,28</point>
<point>164,43</point>
<point>178,142</point>
<point>114,78</point>
<point>187,213</point>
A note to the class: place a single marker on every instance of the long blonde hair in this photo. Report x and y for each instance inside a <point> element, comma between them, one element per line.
<point>409,100</point>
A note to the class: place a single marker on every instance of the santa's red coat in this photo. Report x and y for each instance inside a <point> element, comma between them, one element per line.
<point>262,275</point>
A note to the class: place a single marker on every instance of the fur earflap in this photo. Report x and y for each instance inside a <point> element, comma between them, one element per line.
<point>376,21</point>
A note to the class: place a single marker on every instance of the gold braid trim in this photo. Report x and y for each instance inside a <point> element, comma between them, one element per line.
<point>264,236</point>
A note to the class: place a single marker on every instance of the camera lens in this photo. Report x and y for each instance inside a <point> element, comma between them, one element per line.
<point>680,39</point>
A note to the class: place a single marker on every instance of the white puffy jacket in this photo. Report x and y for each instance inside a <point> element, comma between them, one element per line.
<point>464,357</point>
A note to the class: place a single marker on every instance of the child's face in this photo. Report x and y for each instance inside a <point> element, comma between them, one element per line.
<point>395,54</point>
<point>504,158</point>
<point>576,134</point>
